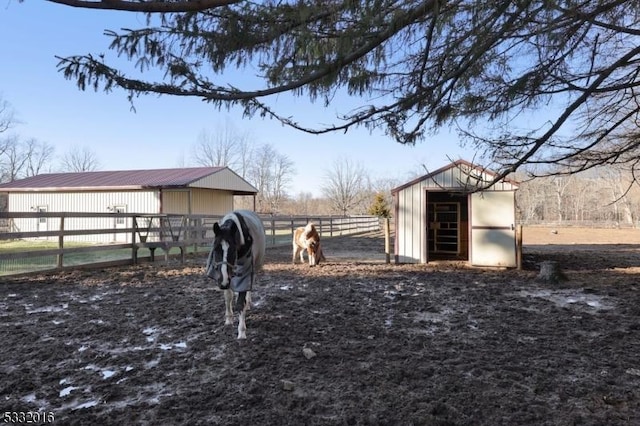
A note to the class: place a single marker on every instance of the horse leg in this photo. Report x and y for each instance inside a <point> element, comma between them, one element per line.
<point>242,308</point>
<point>295,253</point>
<point>312,258</point>
<point>228,307</point>
<point>302,255</point>
<point>248,301</point>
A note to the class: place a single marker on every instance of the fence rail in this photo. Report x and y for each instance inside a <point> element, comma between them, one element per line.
<point>136,239</point>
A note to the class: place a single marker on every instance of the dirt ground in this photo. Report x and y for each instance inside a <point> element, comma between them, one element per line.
<point>354,341</point>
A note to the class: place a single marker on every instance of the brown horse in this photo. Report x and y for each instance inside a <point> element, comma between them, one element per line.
<point>307,238</point>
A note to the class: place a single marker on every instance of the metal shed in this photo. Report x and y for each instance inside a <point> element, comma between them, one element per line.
<point>443,216</point>
<point>195,190</point>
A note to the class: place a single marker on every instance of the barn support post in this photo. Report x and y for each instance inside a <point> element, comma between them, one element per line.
<point>134,249</point>
<point>519,247</point>
<point>60,257</point>
<point>387,238</point>
<point>195,224</point>
<point>273,232</point>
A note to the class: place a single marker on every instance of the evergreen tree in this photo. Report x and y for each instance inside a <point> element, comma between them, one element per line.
<point>380,207</point>
<point>414,66</point>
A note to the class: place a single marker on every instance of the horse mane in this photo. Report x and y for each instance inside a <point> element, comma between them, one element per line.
<point>308,228</point>
<point>234,218</point>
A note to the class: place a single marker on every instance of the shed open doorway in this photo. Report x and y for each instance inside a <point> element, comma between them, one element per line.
<point>447,226</point>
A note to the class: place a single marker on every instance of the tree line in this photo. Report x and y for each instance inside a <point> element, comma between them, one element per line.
<point>22,157</point>
<point>601,195</point>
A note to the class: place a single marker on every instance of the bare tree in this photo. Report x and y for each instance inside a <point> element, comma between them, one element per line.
<point>270,173</point>
<point>303,201</point>
<point>79,159</point>
<point>39,157</point>
<point>7,117</point>
<point>345,185</point>
<point>281,175</point>
<point>226,146</point>
<point>18,157</point>
<point>23,158</point>
<point>560,184</point>
<point>617,183</point>
<point>603,194</point>
<point>7,121</point>
<point>245,153</point>
<point>12,160</point>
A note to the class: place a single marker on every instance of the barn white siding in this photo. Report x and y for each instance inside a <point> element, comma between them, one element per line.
<point>197,190</point>
<point>99,201</point>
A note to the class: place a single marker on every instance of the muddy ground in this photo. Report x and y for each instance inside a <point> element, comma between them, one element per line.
<point>352,342</point>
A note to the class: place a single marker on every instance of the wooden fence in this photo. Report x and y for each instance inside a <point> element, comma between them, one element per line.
<point>136,238</point>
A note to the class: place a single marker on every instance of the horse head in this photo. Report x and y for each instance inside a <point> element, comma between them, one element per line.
<point>228,240</point>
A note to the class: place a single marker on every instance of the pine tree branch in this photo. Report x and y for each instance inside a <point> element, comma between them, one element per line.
<point>151,6</point>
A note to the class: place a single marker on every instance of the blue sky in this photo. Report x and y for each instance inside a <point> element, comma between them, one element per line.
<point>162,131</point>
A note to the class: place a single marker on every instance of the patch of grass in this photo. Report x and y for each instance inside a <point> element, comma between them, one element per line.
<point>31,245</point>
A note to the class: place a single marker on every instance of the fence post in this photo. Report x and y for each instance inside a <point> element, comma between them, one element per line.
<point>60,258</point>
<point>387,238</point>
<point>134,231</point>
<point>273,232</point>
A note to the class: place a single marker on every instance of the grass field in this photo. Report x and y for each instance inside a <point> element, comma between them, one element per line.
<point>541,235</point>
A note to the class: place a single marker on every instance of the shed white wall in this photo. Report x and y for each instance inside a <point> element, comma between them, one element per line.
<point>460,177</point>
<point>411,225</point>
<point>100,202</point>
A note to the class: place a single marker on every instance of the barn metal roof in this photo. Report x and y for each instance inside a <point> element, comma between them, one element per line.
<point>458,175</point>
<point>133,179</point>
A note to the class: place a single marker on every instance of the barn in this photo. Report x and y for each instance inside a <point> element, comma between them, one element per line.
<point>195,190</point>
<point>443,216</point>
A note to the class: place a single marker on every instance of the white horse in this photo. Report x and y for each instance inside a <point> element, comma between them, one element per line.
<point>307,238</point>
<point>237,254</point>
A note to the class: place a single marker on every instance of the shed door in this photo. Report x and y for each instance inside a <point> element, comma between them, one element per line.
<point>120,223</point>
<point>493,235</point>
<point>43,223</point>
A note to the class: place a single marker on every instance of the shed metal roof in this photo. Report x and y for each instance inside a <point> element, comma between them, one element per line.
<point>128,180</point>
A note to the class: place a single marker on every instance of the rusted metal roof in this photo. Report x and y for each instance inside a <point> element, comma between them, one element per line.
<point>109,180</point>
